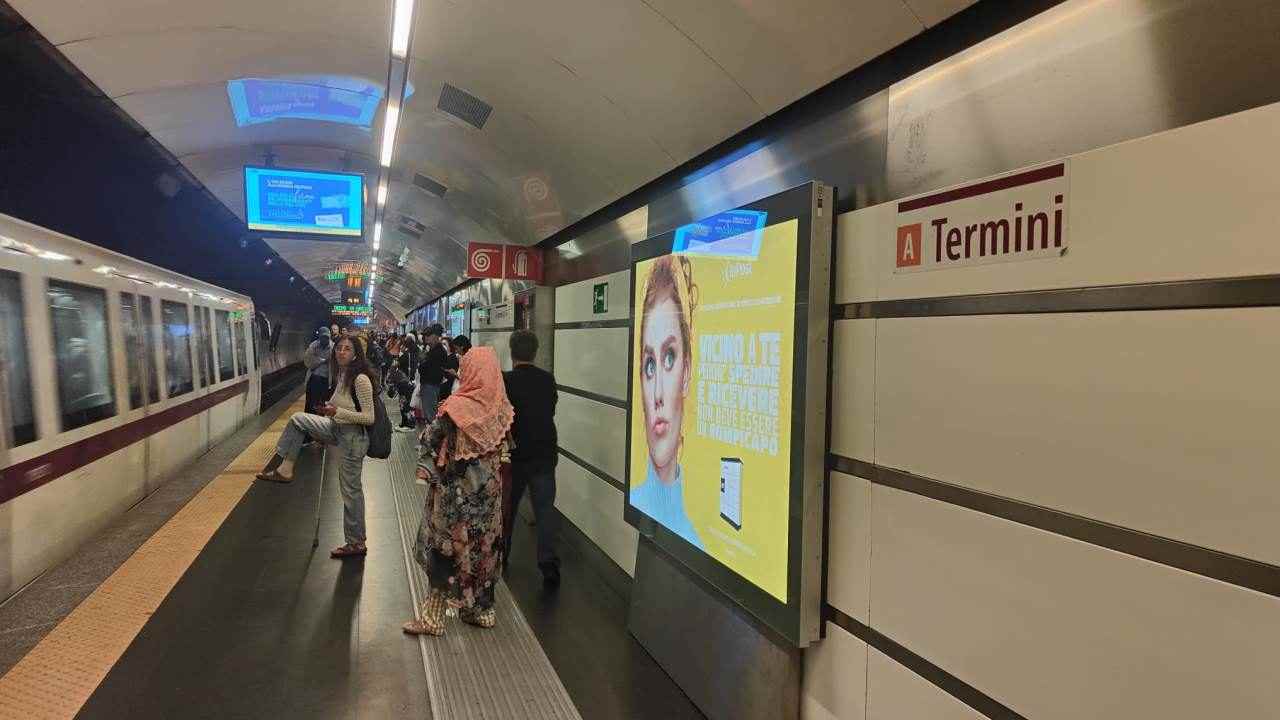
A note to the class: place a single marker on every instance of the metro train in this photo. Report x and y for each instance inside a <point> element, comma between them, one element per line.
<point>114,373</point>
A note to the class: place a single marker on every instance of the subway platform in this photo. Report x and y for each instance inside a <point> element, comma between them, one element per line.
<point>207,600</point>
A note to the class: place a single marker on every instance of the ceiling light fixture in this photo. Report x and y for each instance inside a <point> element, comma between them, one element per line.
<point>401,24</point>
<point>382,194</point>
<point>389,134</point>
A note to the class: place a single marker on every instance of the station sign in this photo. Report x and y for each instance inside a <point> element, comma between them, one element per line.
<point>1015,217</point>
<point>511,262</point>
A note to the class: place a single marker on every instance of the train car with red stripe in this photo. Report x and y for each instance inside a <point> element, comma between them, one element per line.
<point>114,374</point>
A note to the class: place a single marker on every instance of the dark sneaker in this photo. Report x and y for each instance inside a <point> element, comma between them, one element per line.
<point>550,574</point>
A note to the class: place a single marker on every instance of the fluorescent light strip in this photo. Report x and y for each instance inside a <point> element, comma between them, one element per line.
<point>377,235</point>
<point>382,194</point>
<point>389,133</point>
<point>401,26</point>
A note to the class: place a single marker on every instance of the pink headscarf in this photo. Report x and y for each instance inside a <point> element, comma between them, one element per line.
<point>478,406</point>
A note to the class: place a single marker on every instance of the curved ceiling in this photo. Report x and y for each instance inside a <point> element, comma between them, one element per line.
<point>591,99</point>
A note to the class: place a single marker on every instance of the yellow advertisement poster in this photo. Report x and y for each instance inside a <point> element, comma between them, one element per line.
<point>713,343</point>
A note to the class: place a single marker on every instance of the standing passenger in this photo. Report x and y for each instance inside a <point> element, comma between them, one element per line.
<point>532,392</point>
<point>459,541</point>
<point>341,422</point>
<point>431,373</point>
<point>316,358</point>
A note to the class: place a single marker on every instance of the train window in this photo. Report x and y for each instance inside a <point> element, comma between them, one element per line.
<point>133,353</point>
<point>177,347</point>
<point>204,346</point>
<point>82,353</point>
<point>226,369</point>
<point>149,345</point>
<point>242,367</point>
<point>15,374</point>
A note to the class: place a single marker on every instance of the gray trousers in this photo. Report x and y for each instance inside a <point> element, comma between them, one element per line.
<point>352,442</point>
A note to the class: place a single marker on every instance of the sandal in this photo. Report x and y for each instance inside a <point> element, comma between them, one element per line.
<point>274,476</point>
<point>349,550</point>
<point>483,619</point>
<point>431,621</point>
<point>423,627</point>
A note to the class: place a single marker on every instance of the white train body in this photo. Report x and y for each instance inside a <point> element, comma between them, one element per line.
<point>113,374</point>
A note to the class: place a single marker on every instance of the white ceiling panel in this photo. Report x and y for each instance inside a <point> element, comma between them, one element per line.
<point>781,50</point>
<point>340,23</point>
<point>932,12</point>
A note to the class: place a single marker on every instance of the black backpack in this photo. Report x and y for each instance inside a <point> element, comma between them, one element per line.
<point>380,430</point>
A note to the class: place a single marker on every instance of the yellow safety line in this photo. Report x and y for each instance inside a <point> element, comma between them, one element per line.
<point>57,677</point>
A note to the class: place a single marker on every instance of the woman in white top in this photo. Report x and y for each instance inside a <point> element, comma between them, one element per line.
<point>342,423</point>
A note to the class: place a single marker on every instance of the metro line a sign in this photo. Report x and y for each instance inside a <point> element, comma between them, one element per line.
<point>1020,216</point>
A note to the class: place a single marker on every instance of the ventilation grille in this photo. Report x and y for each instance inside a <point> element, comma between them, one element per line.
<point>429,185</point>
<point>464,106</point>
<point>411,227</point>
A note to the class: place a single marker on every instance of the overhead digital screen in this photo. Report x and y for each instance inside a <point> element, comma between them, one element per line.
<point>304,202</point>
<point>323,98</point>
<point>717,469</point>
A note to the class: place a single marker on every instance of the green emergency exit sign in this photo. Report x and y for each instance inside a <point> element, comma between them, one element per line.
<point>600,298</point>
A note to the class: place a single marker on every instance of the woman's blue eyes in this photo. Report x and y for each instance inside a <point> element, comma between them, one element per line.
<point>668,359</point>
<point>649,368</point>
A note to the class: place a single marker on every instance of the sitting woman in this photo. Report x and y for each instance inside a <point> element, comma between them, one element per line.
<point>342,422</point>
<point>460,537</point>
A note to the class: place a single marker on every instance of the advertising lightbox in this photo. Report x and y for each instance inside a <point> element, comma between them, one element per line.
<point>304,202</point>
<point>727,389</point>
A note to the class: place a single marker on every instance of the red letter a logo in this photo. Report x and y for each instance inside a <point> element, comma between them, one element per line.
<point>909,245</point>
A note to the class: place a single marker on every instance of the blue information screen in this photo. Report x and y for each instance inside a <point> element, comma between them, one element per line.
<point>304,201</point>
<point>735,233</point>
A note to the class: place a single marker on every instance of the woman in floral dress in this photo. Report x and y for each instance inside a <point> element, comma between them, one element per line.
<point>460,538</point>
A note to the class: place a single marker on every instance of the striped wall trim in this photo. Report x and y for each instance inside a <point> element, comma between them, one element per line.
<point>605,399</point>
<point>1262,291</point>
<point>1224,567</point>
<point>594,324</point>
<point>945,681</point>
<point>594,470</point>
<point>476,331</point>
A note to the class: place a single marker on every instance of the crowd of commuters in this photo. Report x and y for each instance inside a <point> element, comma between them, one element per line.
<point>484,437</point>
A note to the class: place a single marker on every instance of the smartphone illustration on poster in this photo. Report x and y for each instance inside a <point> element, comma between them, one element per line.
<point>731,491</point>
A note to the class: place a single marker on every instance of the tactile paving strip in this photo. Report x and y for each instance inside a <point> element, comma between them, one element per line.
<point>473,673</point>
<point>56,678</point>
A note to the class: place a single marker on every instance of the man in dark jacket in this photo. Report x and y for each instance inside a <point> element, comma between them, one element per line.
<point>532,392</point>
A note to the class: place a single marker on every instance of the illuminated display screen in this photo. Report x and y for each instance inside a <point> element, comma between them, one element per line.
<point>352,310</point>
<point>718,471</point>
<point>323,98</point>
<point>713,343</point>
<point>304,201</point>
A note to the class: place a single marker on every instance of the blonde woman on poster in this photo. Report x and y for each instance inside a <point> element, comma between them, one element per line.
<point>664,372</point>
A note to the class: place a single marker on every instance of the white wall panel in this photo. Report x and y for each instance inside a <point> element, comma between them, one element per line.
<point>834,686</point>
<point>896,693</point>
<point>1138,212</point>
<point>499,341</point>
<point>849,546</point>
<point>1159,421</point>
<point>1056,628</point>
<point>595,507</point>
<point>574,301</point>
<point>853,388</point>
<point>594,432</point>
<point>594,360</point>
